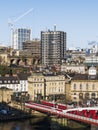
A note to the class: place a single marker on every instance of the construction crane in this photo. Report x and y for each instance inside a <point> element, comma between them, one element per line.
<point>11,22</point>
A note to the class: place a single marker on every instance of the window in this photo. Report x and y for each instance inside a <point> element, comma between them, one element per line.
<point>74,86</point>
<point>16,89</point>
<point>16,81</point>
<point>93,95</point>
<point>80,95</point>
<point>5,81</point>
<point>86,96</point>
<point>80,86</point>
<point>86,86</point>
<point>8,81</point>
<point>12,81</point>
<point>59,90</point>
<point>52,83</point>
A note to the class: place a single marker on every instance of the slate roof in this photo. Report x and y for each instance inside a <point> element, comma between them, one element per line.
<point>9,80</point>
<point>84,77</point>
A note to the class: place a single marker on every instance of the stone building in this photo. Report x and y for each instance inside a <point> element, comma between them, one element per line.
<point>36,86</point>
<point>5,94</point>
<point>34,47</point>
<point>10,82</point>
<point>76,68</point>
<point>4,58</point>
<point>46,86</point>
<point>83,87</point>
<point>55,87</point>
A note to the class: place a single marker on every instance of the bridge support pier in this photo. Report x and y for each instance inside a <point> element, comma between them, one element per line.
<point>94,127</point>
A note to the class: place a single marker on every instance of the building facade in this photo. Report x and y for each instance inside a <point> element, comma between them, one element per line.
<point>55,87</point>
<point>19,36</point>
<point>36,86</point>
<point>34,47</point>
<point>73,68</point>
<point>49,87</point>
<point>5,94</point>
<point>23,82</point>
<point>83,87</point>
<point>53,46</point>
<point>14,87</point>
<point>91,60</point>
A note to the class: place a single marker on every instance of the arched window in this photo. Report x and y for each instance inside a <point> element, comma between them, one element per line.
<point>80,86</point>
<point>80,95</point>
<point>93,95</point>
<point>74,87</point>
<point>86,95</point>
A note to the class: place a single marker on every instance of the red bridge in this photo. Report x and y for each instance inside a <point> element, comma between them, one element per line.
<point>83,114</point>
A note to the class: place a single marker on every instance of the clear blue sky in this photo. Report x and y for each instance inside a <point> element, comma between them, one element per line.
<point>78,18</point>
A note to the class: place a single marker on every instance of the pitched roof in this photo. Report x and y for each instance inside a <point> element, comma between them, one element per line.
<point>9,80</point>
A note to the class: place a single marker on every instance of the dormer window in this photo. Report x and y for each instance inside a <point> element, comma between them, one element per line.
<point>8,81</point>
<point>0,81</point>
<point>13,81</point>
<point>16,81</point>
<point>5,81</point>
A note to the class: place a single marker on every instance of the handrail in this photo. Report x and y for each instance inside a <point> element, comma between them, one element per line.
<point>54,111</point>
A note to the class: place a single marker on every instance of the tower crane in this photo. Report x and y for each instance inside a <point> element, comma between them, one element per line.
<point>11,22</point>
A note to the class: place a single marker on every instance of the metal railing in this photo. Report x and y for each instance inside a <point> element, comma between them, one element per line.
<point>63,114</point>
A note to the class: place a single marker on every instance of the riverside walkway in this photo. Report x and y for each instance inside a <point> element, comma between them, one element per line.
<point>83,114</point>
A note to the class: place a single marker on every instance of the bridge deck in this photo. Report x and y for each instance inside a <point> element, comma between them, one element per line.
<point>85,114</point>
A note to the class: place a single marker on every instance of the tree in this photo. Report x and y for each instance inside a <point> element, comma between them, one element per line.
<point>4,70</point>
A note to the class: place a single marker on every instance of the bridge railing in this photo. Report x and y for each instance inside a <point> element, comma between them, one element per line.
<point>54,111</point>
<point>81,118</point>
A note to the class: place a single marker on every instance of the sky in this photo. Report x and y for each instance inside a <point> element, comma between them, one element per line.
<point>78,18</point>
